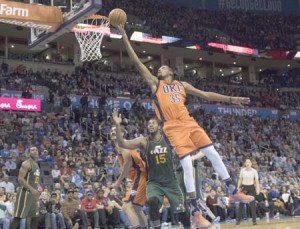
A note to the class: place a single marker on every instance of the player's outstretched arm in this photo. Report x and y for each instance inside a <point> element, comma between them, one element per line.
<point>127,144</point>
<point>211,96</point>
<point>143,70</point>
<point>126,167</point>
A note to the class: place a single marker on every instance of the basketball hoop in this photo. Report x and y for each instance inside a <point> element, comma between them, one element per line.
<point>89,35</point>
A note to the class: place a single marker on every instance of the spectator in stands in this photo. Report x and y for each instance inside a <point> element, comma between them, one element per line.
<point>45,157</point>
<point>111,216</point>
<point>296,200</point>
<point>4,221</point>
<point>44,220</point>
<point>90,172</point>
<point>262,203</point>
<point>66,173</point>
<point>69,208</point>
<point>10,206</point>
<point>55,173</point>
<point>5,152</point>
<point>2,194</point>
<point>10,164</point>
<point>213,204</point>
<point>53,207</point>
<point>76,179</point>
<point>89,206</point>
<point>7,185</point>
<point>274,201</point>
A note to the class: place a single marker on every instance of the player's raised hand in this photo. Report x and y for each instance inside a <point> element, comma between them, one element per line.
<point>116,185</point>
<point>122,30</point>
<point>116,116</point>
<point>240,100</point>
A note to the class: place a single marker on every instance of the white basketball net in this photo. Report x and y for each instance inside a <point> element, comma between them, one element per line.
<point>89,35</point>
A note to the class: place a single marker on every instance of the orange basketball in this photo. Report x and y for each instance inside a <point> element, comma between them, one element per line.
<point>117,17</point>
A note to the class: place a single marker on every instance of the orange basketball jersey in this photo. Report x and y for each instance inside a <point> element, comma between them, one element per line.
<point>137,164</point>
<point>169,100</point>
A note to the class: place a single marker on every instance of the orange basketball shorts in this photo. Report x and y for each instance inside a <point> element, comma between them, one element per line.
<point>185,136</point>
<point>136,193</point>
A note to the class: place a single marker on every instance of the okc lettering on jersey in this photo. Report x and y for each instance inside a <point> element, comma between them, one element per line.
<point>173,91</point>
<point>159,150</point>
<point>172,88</point>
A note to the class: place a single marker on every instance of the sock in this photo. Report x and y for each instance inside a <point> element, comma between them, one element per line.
<point>231,189</point>
<point>193,206</point>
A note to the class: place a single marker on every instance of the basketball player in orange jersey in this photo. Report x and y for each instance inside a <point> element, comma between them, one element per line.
<point>181,131</point>
<point>134,169</point>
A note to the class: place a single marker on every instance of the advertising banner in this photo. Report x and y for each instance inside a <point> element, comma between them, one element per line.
<point>127,103</point>
<point>148,38</point>
<point>241,111</point>
<point>259,6</point>
<point>294,115</point>
<point>30,105</point>
<point>18,94</point>
<point>33,16</point>
<point>234,48</point>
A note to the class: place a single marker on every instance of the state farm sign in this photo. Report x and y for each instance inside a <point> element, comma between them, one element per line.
<point>14,11</point>
<point>32,16</point>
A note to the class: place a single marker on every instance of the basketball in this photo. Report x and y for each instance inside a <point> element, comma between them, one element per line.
<point>117,17</point>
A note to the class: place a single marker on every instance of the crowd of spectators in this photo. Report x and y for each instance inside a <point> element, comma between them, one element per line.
<point>273,90</point>
<point>244,28</point>
<point>83,160</point>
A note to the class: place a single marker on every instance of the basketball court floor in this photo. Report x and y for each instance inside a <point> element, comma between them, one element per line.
<point>283,223</point>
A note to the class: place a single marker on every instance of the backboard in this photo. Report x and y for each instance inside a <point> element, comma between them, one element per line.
<point>74,12</point>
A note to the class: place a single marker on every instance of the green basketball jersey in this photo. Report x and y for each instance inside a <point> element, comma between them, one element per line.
<point>33,176</point>
<point>159,161</point>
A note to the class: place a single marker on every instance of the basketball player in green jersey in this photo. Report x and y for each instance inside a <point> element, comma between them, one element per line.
<point>27,194</point>
<point>161,179</point>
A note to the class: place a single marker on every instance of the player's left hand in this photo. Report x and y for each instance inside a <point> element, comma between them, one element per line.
<point>240,100</point>
<point>116,116</point>
<point>116,185</point>
<point>122,30</point>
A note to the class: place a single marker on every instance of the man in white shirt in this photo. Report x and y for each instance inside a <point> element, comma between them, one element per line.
<point>10,164</point>
<point>9,187</point>
<point>4,221</point>
<point>249,183</point>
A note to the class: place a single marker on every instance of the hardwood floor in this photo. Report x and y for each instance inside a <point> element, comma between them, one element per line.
<point>283,223</point>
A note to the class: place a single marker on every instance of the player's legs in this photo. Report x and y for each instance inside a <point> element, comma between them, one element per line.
<point>219,166</point>
<point>197,217</point>
<point>155,196</point>
<point>177,203</point>
<point>15,224</point>
<point>133,215</point>
<point>201,140</point>
<point>134,200</point>
<point>177,134</point>
<point>141,216</point>
<point>22,207</point>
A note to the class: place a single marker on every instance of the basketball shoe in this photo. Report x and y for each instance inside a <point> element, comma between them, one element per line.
<point>199,221</point>
<point>240,196</point>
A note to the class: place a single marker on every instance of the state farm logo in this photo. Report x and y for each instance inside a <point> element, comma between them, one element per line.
<point>13,11</point>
